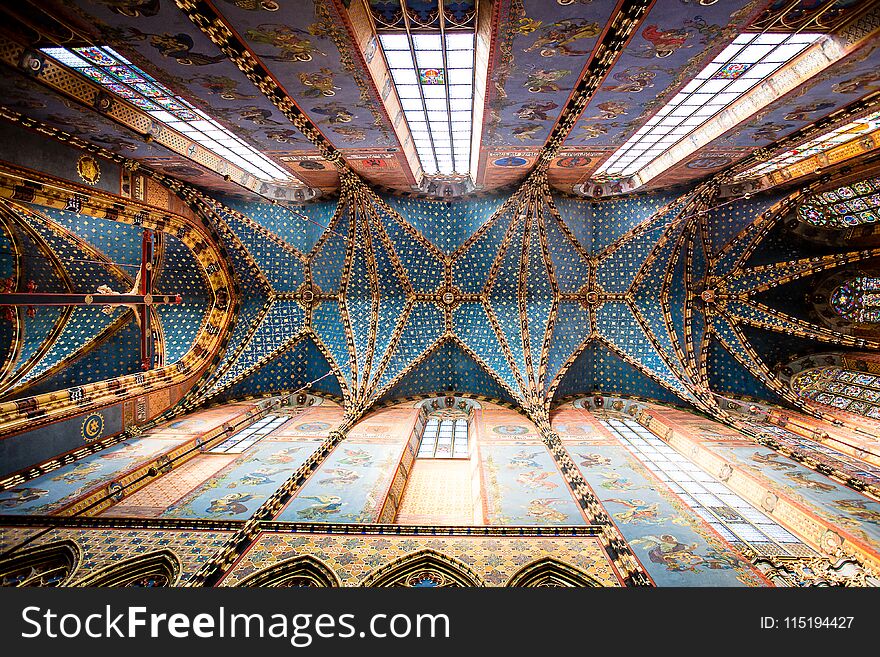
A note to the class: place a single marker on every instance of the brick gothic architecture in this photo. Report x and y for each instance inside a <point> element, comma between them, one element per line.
<point>434,293</point>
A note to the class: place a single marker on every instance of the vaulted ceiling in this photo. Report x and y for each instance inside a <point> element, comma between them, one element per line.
<point>558,84</point>
<point>526,294</point>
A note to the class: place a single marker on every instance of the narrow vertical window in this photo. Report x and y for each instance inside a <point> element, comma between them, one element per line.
<point>446,436</point>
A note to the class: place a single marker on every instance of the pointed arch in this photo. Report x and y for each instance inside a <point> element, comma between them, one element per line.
<point>48,565</point>
<point>304,571</point>
<point>549,572</point>
<point>159,569</point>
<point>423,569</point>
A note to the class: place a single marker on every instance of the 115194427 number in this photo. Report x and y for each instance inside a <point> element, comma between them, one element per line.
<point>817,622</point>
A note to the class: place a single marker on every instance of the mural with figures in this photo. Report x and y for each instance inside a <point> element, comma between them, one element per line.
<point>855,514</point>
<point>524,487</point>
<point>241,487</point>
<point>676,546</point>
<point>520,481</point>
<point>352,482</point>
<point>350,486</point>
<point>58,488</point>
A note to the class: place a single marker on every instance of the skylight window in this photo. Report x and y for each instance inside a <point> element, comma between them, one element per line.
<point>744,64</point>
<point>125,80</point>
<point>820,144</point>
<point>433,74</point>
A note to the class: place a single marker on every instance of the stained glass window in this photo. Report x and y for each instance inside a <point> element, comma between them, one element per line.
<point>820,144</point>
<point>846,390</point>
<point>744,64</point>
<point>433,74</point>
<point>858,300</point>
<point>125,80</point>
<point>849,205</point>
<point>445,437</point>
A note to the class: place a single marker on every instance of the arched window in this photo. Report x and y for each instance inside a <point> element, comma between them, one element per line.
<point>847,390</point>
<point>44,565</point>
<point>446,435</point>
<point>156,570</point>
<point>299,572</point>
<point>858,300</point>
<point>549,573</point>
<point>844,207</point>
<point>425,569</point>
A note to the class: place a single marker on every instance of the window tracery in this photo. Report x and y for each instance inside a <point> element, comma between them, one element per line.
<point>846,390</point>
<point>43,566</point>
<point>858,300</point>
<point>843,207</point>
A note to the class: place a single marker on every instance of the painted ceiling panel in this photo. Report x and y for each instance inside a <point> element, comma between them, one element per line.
<point>89,269</point>
<point>297,232</point>
<point>503,298</point>
<point>247,319</point>
<point>598,369</point>
<point>120,242</point>
<point>617,269</point>
<point>726,375</point>
<point>727,220</point>
<point>166,44</point>
<point>448,368</point>
<point>537,302</point>
<point>291,370</point>
<point>570,328</point>
<point>549,43</point>
<point>181,323</point>
<point>447,224</point>
<point>570,269</point>
<point>327,263</point>
<point>673,42</point>
<point>423,269</point>
<point>284,271</point>
<point>117,356</point>
<point>82,328</point>
<point>577,214</point>
<point>471,325</point>
<point>647,299</point>
<point>470,271</point>
<point>281,324</point>
<point>307,48</point>
<point>612,218</point>
<point>424,326</point>
<point>327,325</point>
<point>39,268</point>
<point>617,324</point>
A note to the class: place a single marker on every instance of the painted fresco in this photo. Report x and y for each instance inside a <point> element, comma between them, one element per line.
<point>56,489</point>
<point>675,545</point>
<point>242,486</point>
<point>520,481</point>
<point>176,52</point>
<point>854,513</point>
<point>350,486</point>
<point>307,48</point>
<point>32,99</point>
<point>352,483</point>
<point>524,487</point>
<point>529,83</point>
<point>674,41</point>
